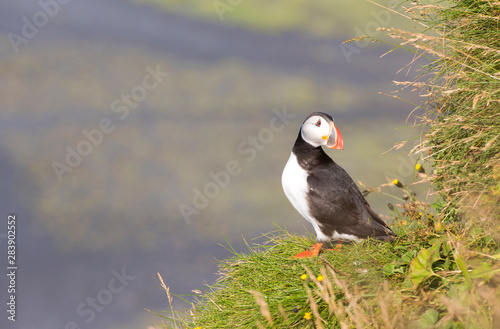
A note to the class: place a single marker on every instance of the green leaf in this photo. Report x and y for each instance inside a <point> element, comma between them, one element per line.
<point>438,204</point>
<point>388,269</point>
<point>407,284</point>
<point>446,325</point>
<point>461,264</point>
<point>421,267</point>
<point>408,256</point>
<point>446,249</point>
<point>428,319</point>
<point>484,272</point>
<point>391,269</point>
<point>436,247</point>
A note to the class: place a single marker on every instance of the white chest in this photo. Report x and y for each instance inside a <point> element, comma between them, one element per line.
<point>294,181</point>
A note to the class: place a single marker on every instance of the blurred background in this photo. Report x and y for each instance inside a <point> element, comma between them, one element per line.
<point>118,121</point>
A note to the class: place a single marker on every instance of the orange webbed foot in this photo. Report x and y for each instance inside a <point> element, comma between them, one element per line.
<point>337,247</point>
<point>315,250</point>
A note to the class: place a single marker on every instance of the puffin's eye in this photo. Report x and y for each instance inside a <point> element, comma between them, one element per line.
<point>318,123</point>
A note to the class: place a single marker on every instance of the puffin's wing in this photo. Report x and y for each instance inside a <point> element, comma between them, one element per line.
<point>375,216</point>
<point>337,203</point>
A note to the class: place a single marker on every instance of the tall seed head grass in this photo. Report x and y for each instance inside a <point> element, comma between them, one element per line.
<point>462,87</point>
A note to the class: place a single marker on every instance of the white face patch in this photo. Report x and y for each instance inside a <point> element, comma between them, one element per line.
<point>294,181</point>
<point>314,130</point>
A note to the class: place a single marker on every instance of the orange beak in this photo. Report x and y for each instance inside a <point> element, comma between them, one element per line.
<point>334,139</point>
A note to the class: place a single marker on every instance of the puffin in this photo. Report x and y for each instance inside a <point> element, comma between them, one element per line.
<point>324,193</point>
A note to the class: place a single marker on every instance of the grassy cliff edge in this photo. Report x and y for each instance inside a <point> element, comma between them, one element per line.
<point>443,271</point>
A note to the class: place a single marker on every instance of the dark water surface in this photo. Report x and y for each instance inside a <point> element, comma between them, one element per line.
<point>106,276</point>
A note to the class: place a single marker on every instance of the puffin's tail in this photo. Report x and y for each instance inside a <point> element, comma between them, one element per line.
<point>391,236</point>
<point>382,226</point>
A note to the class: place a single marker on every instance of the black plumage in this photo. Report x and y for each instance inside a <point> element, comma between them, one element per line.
<point>334,204</point>
<point>334,199</point>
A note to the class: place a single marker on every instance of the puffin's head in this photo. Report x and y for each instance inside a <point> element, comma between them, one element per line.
<point>319,129</point>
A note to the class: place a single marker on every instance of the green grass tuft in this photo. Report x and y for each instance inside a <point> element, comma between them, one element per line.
<point>271,271</point>
<point>412,281</point>
<point>462,86</point>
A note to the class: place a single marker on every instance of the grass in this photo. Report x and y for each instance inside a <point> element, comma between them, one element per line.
<point>443,270</point>
<point>416,280</point>
<point>462,85</point>
<point>267,286</point>
<point>434,275</point>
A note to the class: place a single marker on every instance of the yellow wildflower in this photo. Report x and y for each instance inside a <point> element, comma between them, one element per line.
<point>320,278</point>
<point>438,226</point>
<point>308,316</point>
<point>303,276</point>
<point>397,182</point>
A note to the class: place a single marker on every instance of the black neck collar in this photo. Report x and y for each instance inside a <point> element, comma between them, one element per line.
<point>307,155</point>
